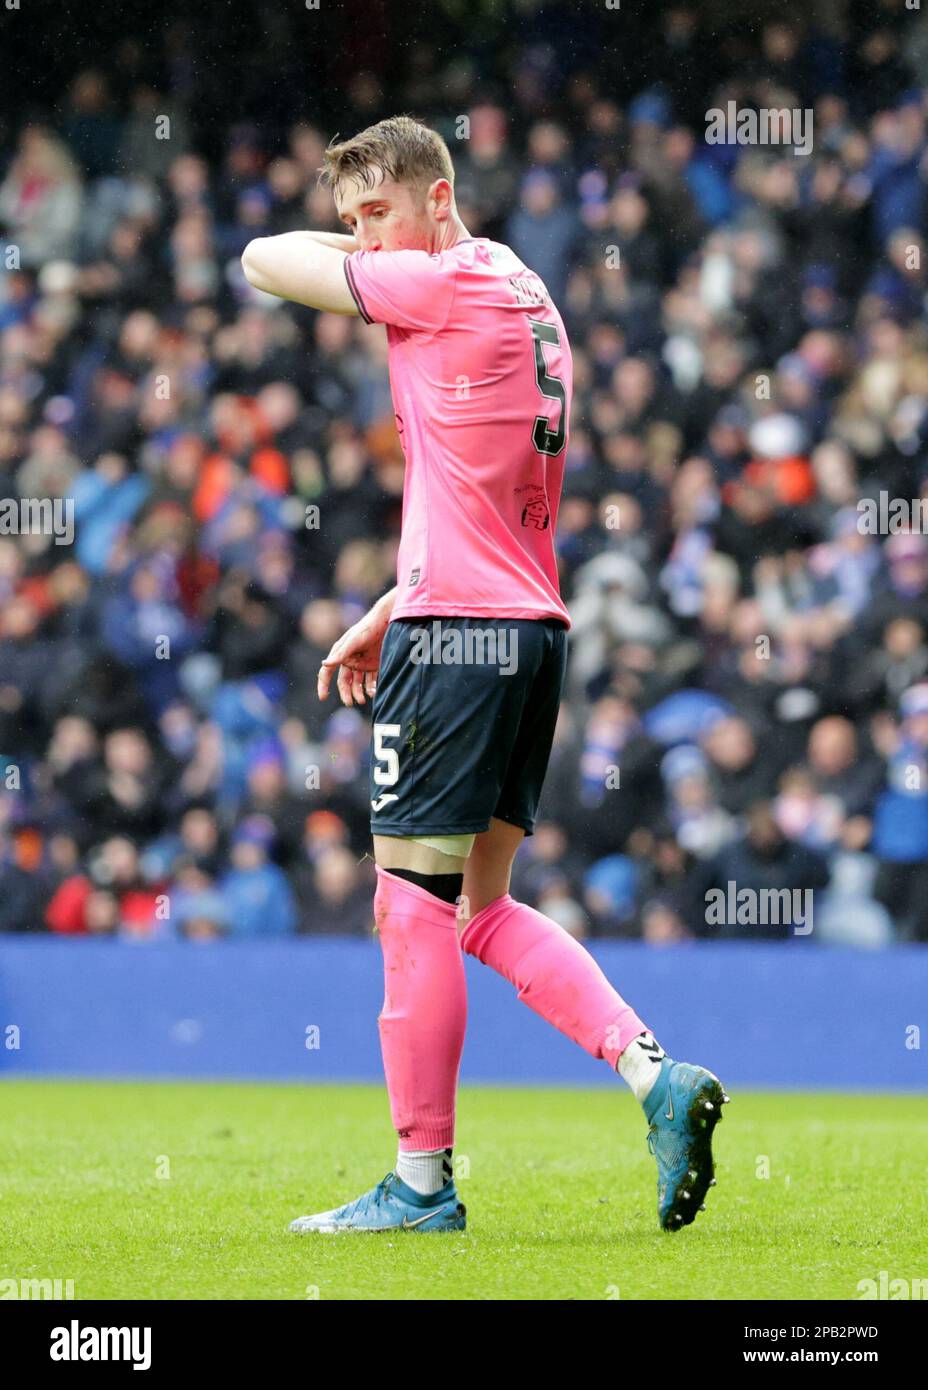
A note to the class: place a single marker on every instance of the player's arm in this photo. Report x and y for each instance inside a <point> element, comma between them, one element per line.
<point>307,267</point>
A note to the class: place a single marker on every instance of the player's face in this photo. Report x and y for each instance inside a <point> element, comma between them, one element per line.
<point>389,216</point>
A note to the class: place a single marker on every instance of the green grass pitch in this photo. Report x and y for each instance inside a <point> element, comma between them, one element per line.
<point>184,1190</point>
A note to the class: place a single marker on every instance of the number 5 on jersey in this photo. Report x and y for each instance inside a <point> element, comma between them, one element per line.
<point>545,439</point>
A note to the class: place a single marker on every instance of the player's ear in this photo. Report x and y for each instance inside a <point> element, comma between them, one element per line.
<point>441,199</point>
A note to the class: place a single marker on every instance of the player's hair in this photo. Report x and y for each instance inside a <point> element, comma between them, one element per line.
<point>403,148</point>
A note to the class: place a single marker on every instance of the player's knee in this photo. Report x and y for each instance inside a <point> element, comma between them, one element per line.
<point>474,898</point>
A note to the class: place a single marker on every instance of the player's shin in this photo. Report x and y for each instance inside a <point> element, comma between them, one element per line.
<point>424,1012</point>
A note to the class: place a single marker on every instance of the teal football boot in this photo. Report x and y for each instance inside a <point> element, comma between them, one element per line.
<point>682,1109</point>
<point>390,1206</point>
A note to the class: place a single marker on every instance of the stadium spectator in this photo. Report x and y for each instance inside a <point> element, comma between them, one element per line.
<point>258,898</point>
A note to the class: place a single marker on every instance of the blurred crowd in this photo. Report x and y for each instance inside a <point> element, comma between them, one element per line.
<point>748,684</point>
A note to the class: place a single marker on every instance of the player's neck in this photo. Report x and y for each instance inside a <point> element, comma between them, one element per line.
<point>449,234</point>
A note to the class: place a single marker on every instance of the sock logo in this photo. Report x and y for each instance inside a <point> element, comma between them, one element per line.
<point>653,1049</point>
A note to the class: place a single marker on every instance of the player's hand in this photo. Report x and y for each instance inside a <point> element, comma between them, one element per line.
<point>356,659</point>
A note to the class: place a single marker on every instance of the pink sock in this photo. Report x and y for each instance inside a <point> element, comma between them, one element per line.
<point>554,975</point>
<point>424,1010</point>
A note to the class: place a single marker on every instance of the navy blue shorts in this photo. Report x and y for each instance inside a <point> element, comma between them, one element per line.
<point>464,719</point>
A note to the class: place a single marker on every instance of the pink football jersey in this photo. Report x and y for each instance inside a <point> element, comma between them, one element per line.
<point>481,376</point>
